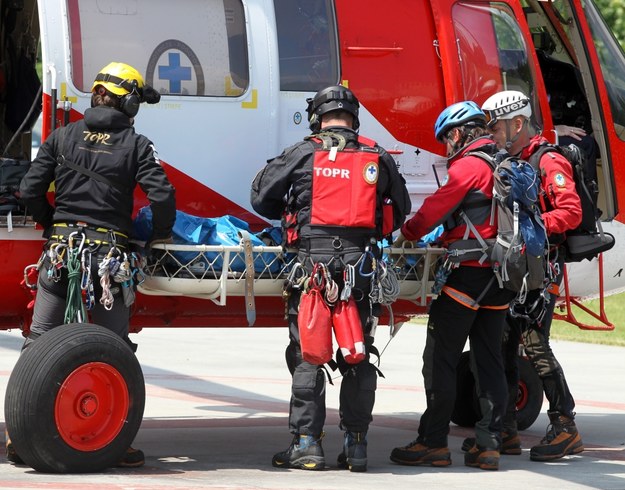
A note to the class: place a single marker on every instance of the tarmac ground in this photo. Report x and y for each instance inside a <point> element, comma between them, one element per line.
<point>217,408</point>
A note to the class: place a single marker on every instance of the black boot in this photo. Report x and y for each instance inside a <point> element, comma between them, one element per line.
<point>133,458</point>
<point>418,454</point>
<point>304,453</point>
<point>510,443</point>
<point>561,439</point>
<point>354,455</point>
<point>11,454</point>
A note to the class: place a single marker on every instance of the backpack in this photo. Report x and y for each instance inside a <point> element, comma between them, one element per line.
<point>588,239</point>
<point>11,173</point>
<point>517,254</point>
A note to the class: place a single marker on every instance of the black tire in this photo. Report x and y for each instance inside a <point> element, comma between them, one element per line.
<point>466,411</point>
<point>75,400</point>
<point>530,396</point>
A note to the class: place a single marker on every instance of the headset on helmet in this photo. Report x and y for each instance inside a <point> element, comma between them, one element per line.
<point>506,105</point>
<point>333,98</point>
<point>459,114</point>
<point>127,83</point>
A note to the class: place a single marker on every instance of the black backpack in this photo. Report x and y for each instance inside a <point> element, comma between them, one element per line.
<point>588,239</point>
<point>11,173</point>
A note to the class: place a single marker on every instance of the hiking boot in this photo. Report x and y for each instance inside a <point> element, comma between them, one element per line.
<point>304,453</point>
<point>484,459</point>
<point>415,454</point>
<point>561,439</point>
<point>133,458</point>
<point>467,444</point>
<point>510,443</point>
<point>354,455</point>
<point>12,455</point>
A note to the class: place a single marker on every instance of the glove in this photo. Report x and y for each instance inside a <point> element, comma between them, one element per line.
<point>431,237</point>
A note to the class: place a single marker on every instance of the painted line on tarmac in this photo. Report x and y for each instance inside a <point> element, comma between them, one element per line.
<point>12,485</point>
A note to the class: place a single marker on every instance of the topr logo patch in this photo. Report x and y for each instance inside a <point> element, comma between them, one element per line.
<point>370,173</point>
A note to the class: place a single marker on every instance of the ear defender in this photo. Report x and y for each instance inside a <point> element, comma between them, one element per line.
<point>314,123</point>
<point>129,103</point>
<point>313,119</point>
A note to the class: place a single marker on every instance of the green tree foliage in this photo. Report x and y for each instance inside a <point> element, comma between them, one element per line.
<point>614,13</point>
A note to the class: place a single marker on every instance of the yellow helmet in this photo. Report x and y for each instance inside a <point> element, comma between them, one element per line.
<point>119,79</point>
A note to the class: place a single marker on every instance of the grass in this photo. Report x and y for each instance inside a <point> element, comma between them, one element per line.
<point>561,330</point>
<point>615,312</point>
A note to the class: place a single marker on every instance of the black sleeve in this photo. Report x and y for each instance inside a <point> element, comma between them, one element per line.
<point>154,182</point>
<point>396,190</point>
<point>35,184</point>
<point>272,183</point>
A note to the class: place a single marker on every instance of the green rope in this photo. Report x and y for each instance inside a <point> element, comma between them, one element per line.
<point>74,306</point>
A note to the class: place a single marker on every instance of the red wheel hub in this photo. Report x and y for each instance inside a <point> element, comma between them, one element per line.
<point>91,406</point>
<point>522,396</point>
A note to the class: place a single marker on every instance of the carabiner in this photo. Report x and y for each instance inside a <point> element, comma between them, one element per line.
<point>367,253</point>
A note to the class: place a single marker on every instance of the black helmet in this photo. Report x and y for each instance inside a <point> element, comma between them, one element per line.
<point>333,98</point>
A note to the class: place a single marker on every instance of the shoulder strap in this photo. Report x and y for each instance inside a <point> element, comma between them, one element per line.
<point>327,139</point>
<point>535,157</point>
<point>62,160</point>
<point>483,156</point>
<point>363,140</point>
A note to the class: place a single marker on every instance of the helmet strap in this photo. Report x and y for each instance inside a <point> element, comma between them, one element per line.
<point>511,140</point>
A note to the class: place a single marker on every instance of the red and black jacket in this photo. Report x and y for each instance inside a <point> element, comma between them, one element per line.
<point>469,188</point>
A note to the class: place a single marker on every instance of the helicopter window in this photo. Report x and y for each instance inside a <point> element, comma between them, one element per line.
<point>204,55</point>
<point>563,80</point>
<point>612,65</point>
<point>492,51</point>
<point>307,44</point>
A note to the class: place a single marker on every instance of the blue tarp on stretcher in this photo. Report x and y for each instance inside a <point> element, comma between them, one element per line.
<point>224,230</point>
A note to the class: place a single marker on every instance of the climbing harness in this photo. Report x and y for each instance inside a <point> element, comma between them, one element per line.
<point>74,251</point>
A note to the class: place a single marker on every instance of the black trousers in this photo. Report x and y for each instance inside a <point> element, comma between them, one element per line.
<point>307,411</point>
<point>535,339</point>
<point>450,324</point>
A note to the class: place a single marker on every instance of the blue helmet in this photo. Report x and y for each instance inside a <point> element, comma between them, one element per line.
<point>457,115</point>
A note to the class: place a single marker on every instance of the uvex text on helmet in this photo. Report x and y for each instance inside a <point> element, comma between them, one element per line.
<point>333,98</point>
<point>458,114</point>
<point>506,105</point>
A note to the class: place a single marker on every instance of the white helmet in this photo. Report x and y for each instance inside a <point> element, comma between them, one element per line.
<point>506,105</point>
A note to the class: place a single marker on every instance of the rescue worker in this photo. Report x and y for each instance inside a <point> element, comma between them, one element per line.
<point>95,164</point>
<point>329,232</point>
<point>509,114</point>
<point>470,305</point>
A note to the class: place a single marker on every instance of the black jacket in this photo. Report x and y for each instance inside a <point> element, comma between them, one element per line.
<point>291,173</point>
<point>105,143</point>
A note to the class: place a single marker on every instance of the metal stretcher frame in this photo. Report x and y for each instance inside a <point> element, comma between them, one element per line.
<point>215,272</point>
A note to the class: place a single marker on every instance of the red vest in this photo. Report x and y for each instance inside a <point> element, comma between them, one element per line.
<point>344,186</point>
